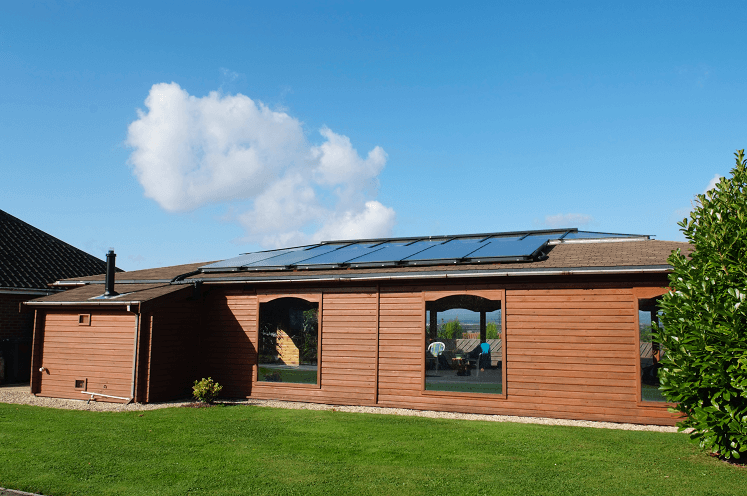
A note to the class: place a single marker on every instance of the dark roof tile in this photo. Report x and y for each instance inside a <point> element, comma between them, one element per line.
<point>31,258</point>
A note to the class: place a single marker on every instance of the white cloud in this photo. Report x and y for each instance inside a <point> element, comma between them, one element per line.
<point>712,183</point>
<point>567,220</point>
<point>684,212</point>
<point>137,259</point>
<point>190,151</point>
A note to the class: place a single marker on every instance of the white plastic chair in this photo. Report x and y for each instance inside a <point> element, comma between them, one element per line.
<point>436,349</point>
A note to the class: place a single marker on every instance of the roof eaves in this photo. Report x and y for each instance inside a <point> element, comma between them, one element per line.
<point>119,281</point>
<point>451,274</point>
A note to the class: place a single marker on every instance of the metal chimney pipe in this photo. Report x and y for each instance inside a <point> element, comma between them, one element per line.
<point>110,269</point>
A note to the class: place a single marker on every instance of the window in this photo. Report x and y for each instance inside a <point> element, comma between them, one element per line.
<point>464,345</point>
<point>289,341</point>
<point>84,319</point>
<point>650,351</point>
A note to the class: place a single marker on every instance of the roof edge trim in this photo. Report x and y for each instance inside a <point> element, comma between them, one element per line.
<point>594,240</point>
<point>638,269</point>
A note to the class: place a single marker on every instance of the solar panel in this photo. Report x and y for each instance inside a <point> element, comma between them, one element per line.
<point>294,257</point>
<point>248,258</point>
<point>513,246</point>
<point>341,255</point>
<point>519,248</point>
<point>392,252</point>
<point>453,249</point>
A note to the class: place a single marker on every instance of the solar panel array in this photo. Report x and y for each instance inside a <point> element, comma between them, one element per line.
<point>500,247</point>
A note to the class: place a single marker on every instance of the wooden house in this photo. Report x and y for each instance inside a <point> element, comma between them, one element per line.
<point>540,323</point>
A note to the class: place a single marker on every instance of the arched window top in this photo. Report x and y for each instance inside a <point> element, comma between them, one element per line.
<point>467,302</point>
<point>290,302</point>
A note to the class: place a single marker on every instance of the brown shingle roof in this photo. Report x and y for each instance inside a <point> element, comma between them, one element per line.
<point>127,293</point>
<point>31,258</point>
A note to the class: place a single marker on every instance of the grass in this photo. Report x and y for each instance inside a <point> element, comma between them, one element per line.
<point>465,387</point>
<point>296,376</point>
<point>230,450</point>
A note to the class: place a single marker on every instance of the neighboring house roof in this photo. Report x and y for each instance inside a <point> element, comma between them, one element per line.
<point>32,259</point>
<point>616,256</point>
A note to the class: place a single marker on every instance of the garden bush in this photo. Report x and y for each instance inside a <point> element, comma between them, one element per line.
<point>206,390</point>
<point>704,322</point>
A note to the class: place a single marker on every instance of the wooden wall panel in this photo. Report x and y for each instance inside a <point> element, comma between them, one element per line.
<point>226,345</point>
<point>571,353</point>
<point>348,353</point>
<point>174,361</point>
<point>101,353</point>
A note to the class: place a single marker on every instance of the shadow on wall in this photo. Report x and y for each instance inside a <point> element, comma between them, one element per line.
<point>15,360</point>
<point>226,352</point>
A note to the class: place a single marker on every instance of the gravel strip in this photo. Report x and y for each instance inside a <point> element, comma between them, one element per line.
<point>20,395</point>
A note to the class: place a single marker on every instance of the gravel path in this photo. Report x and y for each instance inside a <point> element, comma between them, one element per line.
<point>19,394</point>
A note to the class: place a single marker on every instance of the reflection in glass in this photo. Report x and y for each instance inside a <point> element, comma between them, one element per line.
<point>288,341</point>
<point>651,352</point>
<point>463,345</point>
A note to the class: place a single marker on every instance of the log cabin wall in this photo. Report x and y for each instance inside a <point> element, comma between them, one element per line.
<point>90,345</point>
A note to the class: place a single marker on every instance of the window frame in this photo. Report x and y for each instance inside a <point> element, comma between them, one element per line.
<point>490,294</point>
<point>311,298</point>
<point>638,295</point>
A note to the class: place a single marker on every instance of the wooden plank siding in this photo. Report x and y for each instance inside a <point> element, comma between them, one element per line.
<point>173,357</point>
<point>570,348</point>
<point>348,352</point>
<point>227,340</point>
<point>570,352</point>
<point>100,353</point>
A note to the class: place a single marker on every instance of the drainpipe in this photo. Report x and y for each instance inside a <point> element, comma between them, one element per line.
<point>134,352</point>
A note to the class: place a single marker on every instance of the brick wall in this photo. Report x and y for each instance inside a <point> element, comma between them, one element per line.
<point>16,329</point>
<point>14,324</point>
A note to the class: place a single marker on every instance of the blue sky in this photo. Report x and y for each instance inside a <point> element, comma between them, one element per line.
<point>352,119</point>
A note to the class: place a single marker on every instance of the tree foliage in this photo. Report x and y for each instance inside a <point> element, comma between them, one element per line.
<point>451,330</point>
<point>491,330</point>
<point>704,323</point>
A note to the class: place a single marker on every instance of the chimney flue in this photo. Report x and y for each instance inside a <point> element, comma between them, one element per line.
<point>110,269</point>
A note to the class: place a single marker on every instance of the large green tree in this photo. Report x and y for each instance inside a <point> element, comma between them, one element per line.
<point>704,321</point>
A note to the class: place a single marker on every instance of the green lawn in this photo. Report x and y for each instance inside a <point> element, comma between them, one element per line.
<point>253,450</point>
<point>464,387</point>
<point>296,376</point>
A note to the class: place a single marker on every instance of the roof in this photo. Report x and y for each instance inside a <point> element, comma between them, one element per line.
<point>92,295</point>
<point>560,257</point>
<point>157,275</point>
<point>622,257</point>
<point>31,258</point>
<point>517,246</point>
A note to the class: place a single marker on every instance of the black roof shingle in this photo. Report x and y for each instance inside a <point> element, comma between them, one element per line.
<point>32,259</point>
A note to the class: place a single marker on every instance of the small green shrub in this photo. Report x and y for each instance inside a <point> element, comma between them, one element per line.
<point>206,390</point>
